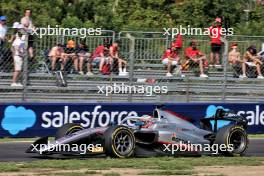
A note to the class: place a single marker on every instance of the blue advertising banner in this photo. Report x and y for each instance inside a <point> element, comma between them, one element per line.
<point>42,119</point>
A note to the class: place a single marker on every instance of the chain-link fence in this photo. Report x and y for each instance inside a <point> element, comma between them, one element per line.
<point>196,75</point>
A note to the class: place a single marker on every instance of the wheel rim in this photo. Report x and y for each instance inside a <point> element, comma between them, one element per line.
<point>123,142</point>
<point>238,139</point>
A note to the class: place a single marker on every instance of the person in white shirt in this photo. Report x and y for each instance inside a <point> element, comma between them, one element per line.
<point>18,55</point>
<point>26,21</point>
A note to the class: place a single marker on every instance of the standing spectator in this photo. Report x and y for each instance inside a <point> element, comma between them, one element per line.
<point>252,59</point>
<point>235,60</point>
<point>18,55</point>
<point>3,32</point>
<point>26,21</point>
<point>98,57</point>
<point>70,52</point>
<point>83,54</point>
<point>170,58</point>
<point>196,58</point>
<point>113,52</point>
<point>216,44</point>
<point>55,54</point>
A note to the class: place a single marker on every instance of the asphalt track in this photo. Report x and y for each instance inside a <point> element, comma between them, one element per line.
<point>15,151</point>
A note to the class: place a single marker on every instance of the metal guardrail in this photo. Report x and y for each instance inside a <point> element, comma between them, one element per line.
<point>142,50</point>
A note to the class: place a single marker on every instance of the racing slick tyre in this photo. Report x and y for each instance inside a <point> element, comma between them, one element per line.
<point>67,129</point>
<point>120,142</point>
<point>235,139</point>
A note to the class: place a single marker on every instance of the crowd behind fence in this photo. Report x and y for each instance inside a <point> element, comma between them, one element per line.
<point>142,51</point>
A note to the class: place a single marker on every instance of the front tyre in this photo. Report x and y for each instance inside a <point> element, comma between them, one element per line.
<point>120,142</point>
<point>67,129</point>
<point>235,139</point>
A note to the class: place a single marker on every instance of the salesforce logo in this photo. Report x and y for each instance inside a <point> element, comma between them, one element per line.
<point>254,117</point>
<point>17,119</point>
<point>90,119</point>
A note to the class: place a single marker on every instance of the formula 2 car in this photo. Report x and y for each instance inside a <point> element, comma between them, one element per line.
<point>162,134</point>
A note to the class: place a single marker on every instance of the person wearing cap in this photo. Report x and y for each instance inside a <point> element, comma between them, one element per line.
<point>171,58</point>
<point>27,23</point>
<point>18,55</point>
<point>216,44</point>
<point>70,53</point>
<point>234,60</point>
<point>252,59</point>
<point>196,57</point>
<point>3,29</point>
<point>113,52</point>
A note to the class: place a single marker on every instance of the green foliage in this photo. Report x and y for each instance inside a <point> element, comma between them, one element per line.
<point>147,15</point>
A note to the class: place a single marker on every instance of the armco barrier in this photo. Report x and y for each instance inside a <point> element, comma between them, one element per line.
<point>30,119</point>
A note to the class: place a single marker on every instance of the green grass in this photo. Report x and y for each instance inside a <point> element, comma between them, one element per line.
<point>111,174</point>
<point>168,172</point>
<point>21,139</point>
<point>162,163</point>
<point>256,135</point>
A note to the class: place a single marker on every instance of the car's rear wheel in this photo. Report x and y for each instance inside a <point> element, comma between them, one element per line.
<point>119,142</point>
<point>67,129</point>
<point>235,139</point>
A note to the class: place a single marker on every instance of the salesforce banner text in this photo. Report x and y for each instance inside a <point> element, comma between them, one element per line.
<point>31,119</point>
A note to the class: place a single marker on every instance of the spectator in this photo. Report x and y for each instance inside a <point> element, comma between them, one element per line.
<point>70,52</point>
<point>252,59</point>
<point>18,55</point>
<point>235,60</point>
<point>98,57</point>
<point>171,59</point>
<point>83,54</point>
<point>55,54</point>
<point>113,52</point>
<point>26,21</point>
<point>196,58</point>
<point>3,30</point>
<point>216,44</point>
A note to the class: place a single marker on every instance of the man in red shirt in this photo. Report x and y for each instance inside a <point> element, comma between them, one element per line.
<point>98,57</point>
<point>113,53</point>
<point>170,58</point>
<point>215,35</point>
<point>196,58</point>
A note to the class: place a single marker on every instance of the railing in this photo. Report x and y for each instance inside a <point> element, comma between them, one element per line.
<point>143,52</point>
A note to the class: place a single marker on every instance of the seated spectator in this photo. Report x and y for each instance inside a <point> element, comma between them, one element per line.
<point>171,58</point>
<point>70,52</point>
<point>235,60</point>
<point>83,54</point>
<point>196,58</point>
<point>113,52</point>
<point>55,54</point>
<point>98,57</point>
<point>251,58</point>
<point>18,56</point>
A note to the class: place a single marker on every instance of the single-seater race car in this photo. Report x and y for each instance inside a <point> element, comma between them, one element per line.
<point>162,134</point>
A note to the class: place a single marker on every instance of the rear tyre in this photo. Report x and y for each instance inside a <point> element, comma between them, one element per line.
<point>235,139</point>
<point>119,142</point>
<point>67,129</point>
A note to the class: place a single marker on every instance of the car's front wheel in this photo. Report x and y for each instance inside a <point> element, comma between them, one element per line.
<point>119,142</point>
<point>67,129</point>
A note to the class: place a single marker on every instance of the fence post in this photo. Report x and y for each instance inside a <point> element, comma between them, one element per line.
<point>225,68</point>
<point>25,69</point>
<point>131,62</point>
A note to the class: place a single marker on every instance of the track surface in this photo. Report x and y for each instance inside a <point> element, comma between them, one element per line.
<point>15,151</point>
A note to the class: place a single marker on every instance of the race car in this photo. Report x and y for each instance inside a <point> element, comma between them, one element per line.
<point>164,133</point>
